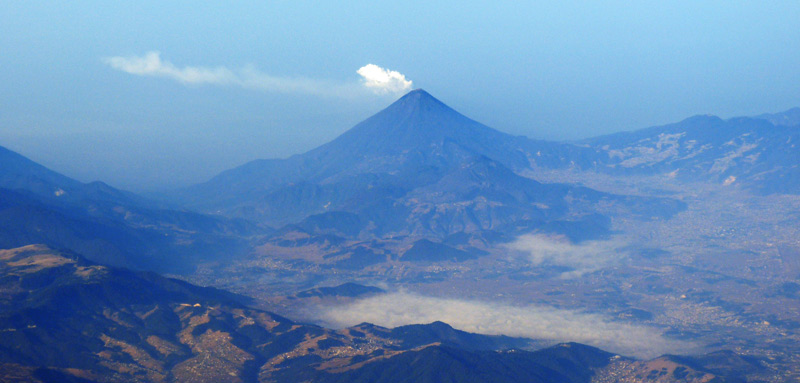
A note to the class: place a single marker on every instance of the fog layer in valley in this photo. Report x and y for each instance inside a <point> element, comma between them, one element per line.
<point>494,318</point>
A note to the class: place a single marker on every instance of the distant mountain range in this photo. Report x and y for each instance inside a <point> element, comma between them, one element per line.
<point>419,170</point>
<point>790,118</point>
<point>111,226</point>
<point>418,182</point>
<point>418,140</point>
<point>63,318</point>
<point>414,142</point>
<point>758,153</point>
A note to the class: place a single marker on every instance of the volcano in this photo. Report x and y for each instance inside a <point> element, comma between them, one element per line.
<point>416,168</point>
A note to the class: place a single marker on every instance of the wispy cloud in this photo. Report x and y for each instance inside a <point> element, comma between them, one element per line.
<point>151,65</point>
<point>375,79</point>
<point>583,258</point>
<point>530,321</point>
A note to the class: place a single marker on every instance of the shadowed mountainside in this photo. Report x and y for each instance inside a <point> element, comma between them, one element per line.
<point>64,318</point>
<point>111,226</point>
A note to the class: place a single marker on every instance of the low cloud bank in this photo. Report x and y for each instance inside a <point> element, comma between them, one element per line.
<point>532,321</point>
<point>583,258</point>
<point>374,78</point>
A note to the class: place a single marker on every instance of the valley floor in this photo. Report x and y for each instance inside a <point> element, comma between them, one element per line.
<point>721,275</point>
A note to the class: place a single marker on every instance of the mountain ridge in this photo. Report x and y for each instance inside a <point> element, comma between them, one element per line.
<point>748,151</point>
<point>64,318</point>
<point>412,157</point>
<point>411,123</point>
<point>39,205</point>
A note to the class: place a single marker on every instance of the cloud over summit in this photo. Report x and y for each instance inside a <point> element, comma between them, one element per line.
<point>384,80</point>
<point>375,78</point>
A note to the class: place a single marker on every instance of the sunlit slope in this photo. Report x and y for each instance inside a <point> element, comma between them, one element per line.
<point>64,318</point>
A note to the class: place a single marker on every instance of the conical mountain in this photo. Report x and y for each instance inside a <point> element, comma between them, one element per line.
<point>417,135</point>
<point>420,122</point>
<point>417,168</point>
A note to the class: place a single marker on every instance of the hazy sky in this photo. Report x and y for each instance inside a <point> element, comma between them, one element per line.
<point>155,94</point>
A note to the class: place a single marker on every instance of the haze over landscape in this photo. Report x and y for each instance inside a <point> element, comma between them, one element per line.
<point>555,71</point>
<point>287,192</point>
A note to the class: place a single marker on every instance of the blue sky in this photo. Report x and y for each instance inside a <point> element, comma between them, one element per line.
<point>554,70</point>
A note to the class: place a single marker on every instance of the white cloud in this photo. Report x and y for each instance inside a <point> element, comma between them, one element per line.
<point>377,80</point>
<point>383,80</point>
<point>151,65</point>
<point>531,321</point>
<point>586,257</point>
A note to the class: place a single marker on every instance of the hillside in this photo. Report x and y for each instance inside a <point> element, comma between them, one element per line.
<point>758,153</point>
<point>418,170</point>
<point>111,226</point>
<point>67,319</point>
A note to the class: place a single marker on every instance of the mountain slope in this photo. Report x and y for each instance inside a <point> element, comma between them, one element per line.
<point>63,318</point>
<point>25,219</point>
<point>77,318</point>
<point>749,151</point>
<point>789,118</point>
<point>112,226</point>
<point>20,173</point>
<point>416,128</point>
<point>417,168</point>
